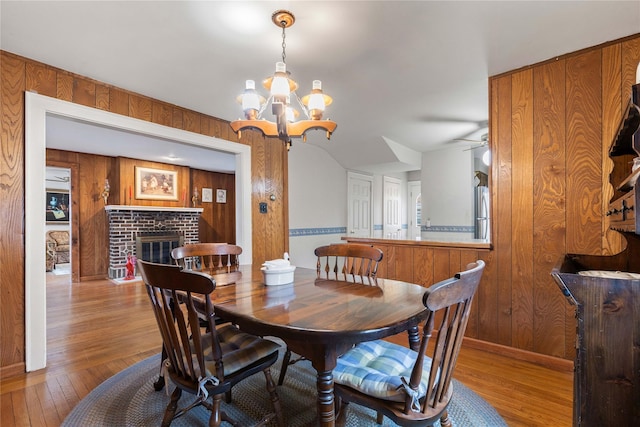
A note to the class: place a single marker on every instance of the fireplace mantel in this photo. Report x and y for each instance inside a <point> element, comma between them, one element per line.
<point>150,208</point>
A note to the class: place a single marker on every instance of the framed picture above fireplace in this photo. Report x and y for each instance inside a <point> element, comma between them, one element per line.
<point>156,184</point>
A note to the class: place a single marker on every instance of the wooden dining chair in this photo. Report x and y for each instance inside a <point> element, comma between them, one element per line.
<point>412,388</point>
<point>220,259</point>
<point>211,258</point>
<point>346,262</point>
<point>203,361</point>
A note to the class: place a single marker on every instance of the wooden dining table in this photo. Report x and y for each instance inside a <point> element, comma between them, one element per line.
<point>317,318</point>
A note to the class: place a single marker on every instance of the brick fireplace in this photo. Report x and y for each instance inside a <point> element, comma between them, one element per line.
<point>128,225</point>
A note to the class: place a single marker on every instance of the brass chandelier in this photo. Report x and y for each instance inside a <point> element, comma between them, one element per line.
<point>281,89</point>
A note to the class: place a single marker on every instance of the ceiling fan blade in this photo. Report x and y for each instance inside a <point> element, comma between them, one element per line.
<point>439,119</point>
<point>484,139</point>
<point>477,141</point>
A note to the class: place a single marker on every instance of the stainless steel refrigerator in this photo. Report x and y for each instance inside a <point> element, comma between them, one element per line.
<point>481,213</point>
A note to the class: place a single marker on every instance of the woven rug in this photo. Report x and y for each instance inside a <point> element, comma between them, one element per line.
<point>129,399</point>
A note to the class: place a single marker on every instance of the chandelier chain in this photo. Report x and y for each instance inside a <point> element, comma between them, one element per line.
<point>284,43</point>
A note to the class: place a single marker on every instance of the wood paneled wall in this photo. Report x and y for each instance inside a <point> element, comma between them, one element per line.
<point>18,74</point>
<point>124,192</point>
<point>218,220</point>
<point>90,230</point>
<point>551,127</point>
<point>426,266</point>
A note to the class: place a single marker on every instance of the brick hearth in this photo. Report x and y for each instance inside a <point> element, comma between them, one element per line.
<point>128,222</point>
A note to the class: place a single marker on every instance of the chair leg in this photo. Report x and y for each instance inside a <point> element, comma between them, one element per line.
<point>445,421</point>
<point>159,383</point>
<point>340,411</point>
<point>285,364</point>
<point>172,407</point>
<point>275,399</point>
<point>215,420</point>
<point>225,417</point>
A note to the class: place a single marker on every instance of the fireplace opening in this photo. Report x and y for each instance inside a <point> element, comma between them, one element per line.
<point>156,247</point>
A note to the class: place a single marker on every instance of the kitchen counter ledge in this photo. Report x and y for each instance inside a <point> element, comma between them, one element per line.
<point>470,244</point>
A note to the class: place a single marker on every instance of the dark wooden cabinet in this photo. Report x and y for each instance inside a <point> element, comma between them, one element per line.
<point>607,362</point>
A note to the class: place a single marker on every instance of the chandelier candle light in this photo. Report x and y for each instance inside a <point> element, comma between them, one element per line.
<point>282,88</point>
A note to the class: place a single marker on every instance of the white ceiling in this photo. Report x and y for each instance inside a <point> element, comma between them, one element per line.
<point>72,135</point>
<point>406,76</point>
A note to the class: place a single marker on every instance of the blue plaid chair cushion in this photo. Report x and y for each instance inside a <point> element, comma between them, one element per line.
<point>377,368</point>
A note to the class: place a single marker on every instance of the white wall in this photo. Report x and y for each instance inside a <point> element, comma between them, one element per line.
<point>317,202</point>
<point>447,187</point>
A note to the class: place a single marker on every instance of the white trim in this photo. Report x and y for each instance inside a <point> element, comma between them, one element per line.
<point>37,107</point>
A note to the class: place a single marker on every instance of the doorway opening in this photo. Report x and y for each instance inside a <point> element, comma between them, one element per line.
<point>37,109</point>
<point>359,205</point>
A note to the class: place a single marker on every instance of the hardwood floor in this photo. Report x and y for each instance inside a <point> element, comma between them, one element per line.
<point>96,329</point>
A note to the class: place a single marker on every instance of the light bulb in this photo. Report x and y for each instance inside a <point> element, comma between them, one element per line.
<point>316,102</point>
<point>280,83</point>
<point>251,101</point>
<point>316,99</point>
<point>486,158</point>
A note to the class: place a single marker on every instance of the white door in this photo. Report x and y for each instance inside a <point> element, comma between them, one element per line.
<point>415,209</point>
<point>391,198</point>
<point>359,194</point>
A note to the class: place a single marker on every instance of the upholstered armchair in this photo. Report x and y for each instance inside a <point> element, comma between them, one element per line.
<point>50,253</point>
<point>58,241</point>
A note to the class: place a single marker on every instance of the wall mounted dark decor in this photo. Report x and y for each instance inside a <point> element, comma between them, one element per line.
<point>57,206</point>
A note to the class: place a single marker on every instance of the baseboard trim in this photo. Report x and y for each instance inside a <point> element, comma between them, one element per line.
<point>551,362</point>
<point>13,370</point>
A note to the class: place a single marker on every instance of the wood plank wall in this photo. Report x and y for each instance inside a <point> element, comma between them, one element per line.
<point>551,126</point>
<point>218,220</point>
<point>18,74</point>
<point>90,230</point>
<point>426,266</point>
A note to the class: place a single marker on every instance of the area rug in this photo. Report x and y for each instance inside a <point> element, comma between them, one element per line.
<point>129,399</point>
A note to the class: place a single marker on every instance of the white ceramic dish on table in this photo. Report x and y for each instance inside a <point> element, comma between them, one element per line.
<point>279,275</point>
<point>278,271</point>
